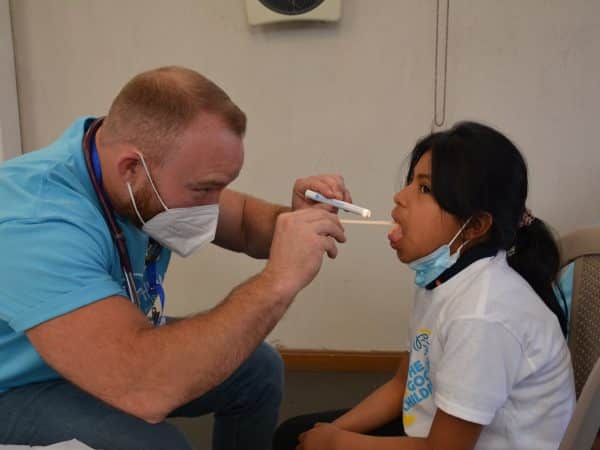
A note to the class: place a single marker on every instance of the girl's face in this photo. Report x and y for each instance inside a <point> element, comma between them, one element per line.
<point>422,225</point>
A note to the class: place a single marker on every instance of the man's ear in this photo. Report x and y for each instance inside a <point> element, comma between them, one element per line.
<point>478,226</point>
<point>129,165</point>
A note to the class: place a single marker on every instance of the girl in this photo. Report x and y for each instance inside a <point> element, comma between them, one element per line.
<point>488,367</point>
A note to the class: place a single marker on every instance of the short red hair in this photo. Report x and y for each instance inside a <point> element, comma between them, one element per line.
<point>154,107</point>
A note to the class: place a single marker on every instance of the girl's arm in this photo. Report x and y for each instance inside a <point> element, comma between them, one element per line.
<point>380,407</point>
<point>447,433</point>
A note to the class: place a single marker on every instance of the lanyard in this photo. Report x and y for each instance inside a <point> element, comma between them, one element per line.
<point>154,249</point>
<point>154,288</point>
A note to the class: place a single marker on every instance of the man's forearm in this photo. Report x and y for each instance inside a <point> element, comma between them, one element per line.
<point>109,349</point>
<point>258,224</point>
<point>246,223</point>
<point>188,358</point>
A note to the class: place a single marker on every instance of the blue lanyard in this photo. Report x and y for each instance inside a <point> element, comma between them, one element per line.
<point>154,286</point>
<point>154,289</point>
<point>150,273</point>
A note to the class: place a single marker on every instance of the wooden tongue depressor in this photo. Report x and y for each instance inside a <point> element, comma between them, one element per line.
<point>368,222</point>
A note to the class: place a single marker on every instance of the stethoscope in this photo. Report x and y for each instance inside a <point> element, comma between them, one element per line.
<point>92,162</point>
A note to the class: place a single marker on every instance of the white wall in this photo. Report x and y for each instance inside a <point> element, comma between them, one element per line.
<point>10,134</point>
<point>349,98</point>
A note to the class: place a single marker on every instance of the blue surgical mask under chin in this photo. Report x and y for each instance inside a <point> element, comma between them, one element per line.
<point>431,266</point>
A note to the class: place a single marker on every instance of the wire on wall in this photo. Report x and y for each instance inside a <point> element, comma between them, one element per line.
<point>439,110</point>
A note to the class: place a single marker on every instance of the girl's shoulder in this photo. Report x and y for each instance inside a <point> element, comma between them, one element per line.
<point>491,290</point>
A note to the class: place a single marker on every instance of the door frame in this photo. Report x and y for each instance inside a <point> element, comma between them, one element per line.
<point>10,129</point>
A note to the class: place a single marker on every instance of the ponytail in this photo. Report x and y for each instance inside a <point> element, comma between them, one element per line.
<point>535,256</point>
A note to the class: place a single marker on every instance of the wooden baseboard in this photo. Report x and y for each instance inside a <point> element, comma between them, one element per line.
<point>340,361</point>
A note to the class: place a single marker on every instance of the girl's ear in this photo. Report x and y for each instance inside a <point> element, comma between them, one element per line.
<point>479,225</point>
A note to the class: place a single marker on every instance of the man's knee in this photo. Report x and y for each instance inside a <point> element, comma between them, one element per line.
<point>257,383</point>
<point>269,359</point>
<point>267,371</point>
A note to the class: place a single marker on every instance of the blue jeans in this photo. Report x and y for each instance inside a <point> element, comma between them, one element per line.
<point>246,406</point>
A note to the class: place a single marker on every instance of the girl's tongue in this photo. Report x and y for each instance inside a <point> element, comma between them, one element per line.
<point>395,234</point>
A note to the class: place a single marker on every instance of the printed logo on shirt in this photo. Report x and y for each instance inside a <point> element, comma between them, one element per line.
<point>418,384</point>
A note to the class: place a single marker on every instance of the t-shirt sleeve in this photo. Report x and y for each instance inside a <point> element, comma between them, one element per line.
<point>477,370</point>
<point>51,267</point>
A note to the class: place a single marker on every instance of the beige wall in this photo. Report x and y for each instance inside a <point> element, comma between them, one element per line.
<point>349,98</point>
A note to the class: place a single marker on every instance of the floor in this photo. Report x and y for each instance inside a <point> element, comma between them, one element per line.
<point>304,392</point>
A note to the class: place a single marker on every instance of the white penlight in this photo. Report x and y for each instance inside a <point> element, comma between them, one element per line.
<point>349,207</point>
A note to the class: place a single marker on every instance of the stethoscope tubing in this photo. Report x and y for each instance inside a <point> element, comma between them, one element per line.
<point>109,217</point>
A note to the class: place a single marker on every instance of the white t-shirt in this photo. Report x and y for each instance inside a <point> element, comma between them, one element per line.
<point>486,349</point>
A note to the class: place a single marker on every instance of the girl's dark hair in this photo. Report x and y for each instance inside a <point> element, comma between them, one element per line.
<point>476,169</point>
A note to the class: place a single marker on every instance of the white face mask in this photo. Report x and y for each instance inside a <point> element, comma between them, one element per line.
<point>182,230</point>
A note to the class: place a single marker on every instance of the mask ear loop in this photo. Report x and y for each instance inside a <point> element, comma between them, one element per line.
<point>151,182</point>
<point>132,197</point>
<point>458,234</point>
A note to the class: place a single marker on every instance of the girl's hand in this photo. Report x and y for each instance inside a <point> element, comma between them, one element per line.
<point>321,437</point>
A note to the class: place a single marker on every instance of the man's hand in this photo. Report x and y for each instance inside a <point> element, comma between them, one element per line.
<point>320,437</point>
<point>299,242</point>
<point>331,186</point>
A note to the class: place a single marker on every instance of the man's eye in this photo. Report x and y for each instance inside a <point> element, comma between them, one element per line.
<point>424,189</point>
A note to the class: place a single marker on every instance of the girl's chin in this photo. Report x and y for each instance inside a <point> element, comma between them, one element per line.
<point>406,256</point>
<point>403,257</point>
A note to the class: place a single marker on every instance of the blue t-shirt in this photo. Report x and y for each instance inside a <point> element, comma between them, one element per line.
<point>57,251</point>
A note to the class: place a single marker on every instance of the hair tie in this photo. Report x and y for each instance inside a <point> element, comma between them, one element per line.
<point>526,219</point>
